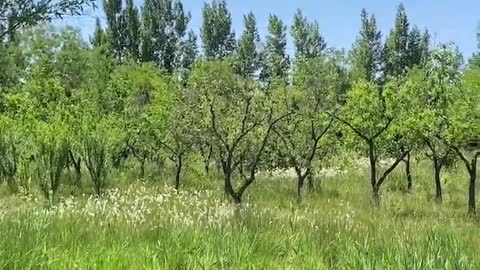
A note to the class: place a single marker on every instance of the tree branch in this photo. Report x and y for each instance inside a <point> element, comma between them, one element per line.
<point>390,120</point>
<point>391,168</point>
<point>253,169</point>
<point>358,132</point>
<point>214,127</point>
<point>317,140</point>
<point>464,159</point>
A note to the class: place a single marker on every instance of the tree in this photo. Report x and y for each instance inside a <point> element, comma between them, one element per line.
<point>116,28</point>
<point>56,52</point>
<point>12,138</point>
<point>396,48</point>
<point>12,65</point>
<point>305,136</point>
<point>276,62</point>
<point>306,35</point>
<point>441,82</point>
<point>218,39</point>
<point>19,14</point>
<point>132,32</point>
<point>248,54</point>
<point>51,158</point>
<point>371,116</point>
<point>187,56</point>
<point>172,121</point>
<point>98,39</point>
<point>475,60</point>
<point>41,109</point>
<point>418,48</point>
<point>366,55</point>
<point>138,83</point>
<point>99,135</point>
<point>404,49</point>
<point>164,27</point>
<point>464,129</point>
<point>238,120</point>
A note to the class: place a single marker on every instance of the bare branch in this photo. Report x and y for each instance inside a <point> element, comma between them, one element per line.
<point>391,168</point>
<point>214,127</point>
<point>317,140</point>
<point>358,132</point>
<point>390,120</point>
<point>463,157</point>
<point>253,168</point>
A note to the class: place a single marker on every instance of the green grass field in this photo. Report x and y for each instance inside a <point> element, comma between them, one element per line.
<point>147,225</point>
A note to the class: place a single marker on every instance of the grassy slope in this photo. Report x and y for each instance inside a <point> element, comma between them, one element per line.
<point>147,226</point>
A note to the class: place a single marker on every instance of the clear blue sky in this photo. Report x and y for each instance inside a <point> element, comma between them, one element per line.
<point>447,20</point>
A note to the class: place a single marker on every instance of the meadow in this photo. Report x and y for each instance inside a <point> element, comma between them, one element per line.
<point>146,224</point>
<point>160,144</point>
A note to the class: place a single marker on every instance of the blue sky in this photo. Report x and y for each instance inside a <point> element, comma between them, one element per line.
<point>339,20</point>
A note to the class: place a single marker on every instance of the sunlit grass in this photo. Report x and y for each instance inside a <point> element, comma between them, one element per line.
<point>147,225</point>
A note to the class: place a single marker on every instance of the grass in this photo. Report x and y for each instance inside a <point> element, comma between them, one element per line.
<point>147,225</point>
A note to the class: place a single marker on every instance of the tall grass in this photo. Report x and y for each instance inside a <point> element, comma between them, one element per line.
<point>147,225</point>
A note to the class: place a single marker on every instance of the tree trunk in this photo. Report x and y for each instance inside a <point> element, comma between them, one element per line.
<point>408,173</point>
<point>228,188</point>
<point>178,172</point>
<point>438,183</point>
<point>300,183</point>
<point>376,195</point>
<point>237,199</point>
<point>471,190</point>
<point>142,168</point>
<point>378,184</point>
<point>229,192</point>
<point>78,175</point>
<point>373,171</point>
<point>207,168</point>
<point>206,159</point>
<point>77,164</point>
<point>12,185</point>
<point>472,171</point>
<point>311,182</point>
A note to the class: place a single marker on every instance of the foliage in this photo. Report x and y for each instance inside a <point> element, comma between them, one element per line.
<point>218,39</point>
<point>237,117</point>
<point>366,55</point>
<point>276,61</point>
<point>308,41</point>
<point>164,28</point>
<point>248,54</point>
<point>20,14</point>
<point>99,138</point>
<point>11,151</point>
<point>305,136</point>
<point>50,156</point>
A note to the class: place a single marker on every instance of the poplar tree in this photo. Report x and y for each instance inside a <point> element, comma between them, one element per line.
<point>98,38</point>
<point>248,53</point>
<point>306,36</point>
<point>276,62</point>
<point>218,38</point>
<point>366,55</point>
<point>475,60</point>
<point>115,31</point>
<point>164,27</point>
<point>132,31</point>
<point>396,51</point>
